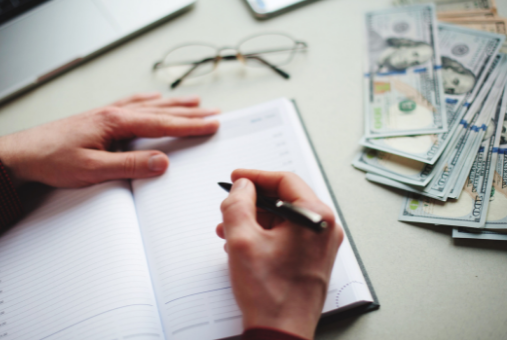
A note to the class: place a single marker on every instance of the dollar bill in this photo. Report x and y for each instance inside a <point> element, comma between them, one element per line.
<point>419,174</point>
<point>404,94</point>
<point>453,5</point>
<point>480,235</point>
<point>491,107</point>
<point>395,167</point>
<point>398,185</point>
<point>456,185</point>
<point>466,14</point>
<point>493,25</point>
<point>496,219</point>
<point>441,174</point>
<point>467,56</point>
<point>470,209</point>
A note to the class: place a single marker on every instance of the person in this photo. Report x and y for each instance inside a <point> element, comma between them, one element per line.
<point>456,78</point>
<point>279,272</point>
<point>400,54</point>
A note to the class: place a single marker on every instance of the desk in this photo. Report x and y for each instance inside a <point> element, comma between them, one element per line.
<point>429,286</point>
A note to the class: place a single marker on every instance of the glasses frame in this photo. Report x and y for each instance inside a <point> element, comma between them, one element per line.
<point>299,46</point>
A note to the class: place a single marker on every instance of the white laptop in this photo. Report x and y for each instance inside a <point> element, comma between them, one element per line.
<point>58,34</point>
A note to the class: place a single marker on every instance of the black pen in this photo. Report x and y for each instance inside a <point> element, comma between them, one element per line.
<point>286,210</point>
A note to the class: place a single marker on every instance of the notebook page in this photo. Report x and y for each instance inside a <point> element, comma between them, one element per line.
<point>75,268</point>
<point>178,213</point>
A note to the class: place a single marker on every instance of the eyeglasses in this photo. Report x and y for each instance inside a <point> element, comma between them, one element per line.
<point>264,50</point>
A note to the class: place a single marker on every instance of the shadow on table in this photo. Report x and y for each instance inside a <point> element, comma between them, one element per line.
<point>470,243</point>
<point>483,244</point>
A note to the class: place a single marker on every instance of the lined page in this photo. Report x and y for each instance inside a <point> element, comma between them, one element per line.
<point>75,268</point>
<point>178,213</point>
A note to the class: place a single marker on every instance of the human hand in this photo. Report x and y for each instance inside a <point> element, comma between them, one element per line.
<point>279,271</point>
<point>73,152</point>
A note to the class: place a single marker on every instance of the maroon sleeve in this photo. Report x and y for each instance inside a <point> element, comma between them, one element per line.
<point>264,333</point>
<point>10,205</point>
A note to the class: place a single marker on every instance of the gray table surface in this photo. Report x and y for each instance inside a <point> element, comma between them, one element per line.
<point>429,286</point>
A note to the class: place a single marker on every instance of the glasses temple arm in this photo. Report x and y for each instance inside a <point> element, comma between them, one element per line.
<point>282,73</point>
<point>180,79</point>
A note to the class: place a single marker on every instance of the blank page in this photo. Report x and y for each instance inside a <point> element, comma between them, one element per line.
<point>179,211</point>
<point>75,268</point>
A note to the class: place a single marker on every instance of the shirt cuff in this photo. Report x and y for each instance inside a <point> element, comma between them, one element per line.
<point>265,333</point>
<point>10,205</point>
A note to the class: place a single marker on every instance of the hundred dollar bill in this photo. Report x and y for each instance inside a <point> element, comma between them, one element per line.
<point>395,184</point>
<point>404,94</point>
<point>485,125</point>
<point>441,174</point>
<point>493,25</point>
<point>453,5</point>
<point>467,55</point>
<point>395,167</point>
<point>416,173</point>
<point>457,183</point>
<point>481,235</point>
<point>470,209</point>
<point>496,219</point>
<point>466,14</point>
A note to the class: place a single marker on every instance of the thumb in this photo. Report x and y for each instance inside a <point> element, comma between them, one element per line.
<point>238,209</point>
<point>133,164</point>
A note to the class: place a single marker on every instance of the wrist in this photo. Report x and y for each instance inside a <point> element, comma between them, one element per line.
<point>296,311</point>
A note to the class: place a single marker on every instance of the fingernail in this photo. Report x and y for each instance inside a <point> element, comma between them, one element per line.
<point>157,163</point>
<point>239,184</point>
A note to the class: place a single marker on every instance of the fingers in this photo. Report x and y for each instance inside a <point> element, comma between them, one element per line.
<point>288,187</point>
<point>180,111</point>
<point>285,185</point>
<point>220,230</point>
<point>238,209</point>
<point>103,166</point>
<point>136,98</point>
<point>122,124</point>
<point>187,101</point>
<point>155,100</point>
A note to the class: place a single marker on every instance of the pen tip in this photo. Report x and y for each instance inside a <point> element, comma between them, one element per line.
<point>226,186</point>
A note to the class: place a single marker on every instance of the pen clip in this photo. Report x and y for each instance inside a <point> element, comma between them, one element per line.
<point>312,216</point>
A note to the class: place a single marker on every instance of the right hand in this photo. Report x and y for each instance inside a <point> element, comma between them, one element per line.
<point>279,271</point>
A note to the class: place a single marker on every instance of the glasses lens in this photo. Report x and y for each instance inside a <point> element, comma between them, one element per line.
<point>198,58</point>
<point>276,49</point>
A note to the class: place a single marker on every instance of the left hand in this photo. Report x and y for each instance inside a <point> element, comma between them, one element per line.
<point>73,152</point>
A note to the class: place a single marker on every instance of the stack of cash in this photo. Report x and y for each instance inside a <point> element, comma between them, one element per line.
<point>435,116</point>
<point>477,14</point>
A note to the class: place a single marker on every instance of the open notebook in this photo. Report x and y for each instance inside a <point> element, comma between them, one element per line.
<point>140,259</point>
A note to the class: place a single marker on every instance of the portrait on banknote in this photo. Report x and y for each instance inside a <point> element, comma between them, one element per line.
<point>402,53</point>
<point>456,78</point>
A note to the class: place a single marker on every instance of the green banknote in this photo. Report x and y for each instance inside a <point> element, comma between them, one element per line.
<point>467,56</point>
<point>452,5</point>
<point>470,209</point>
<point>404,93</point>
